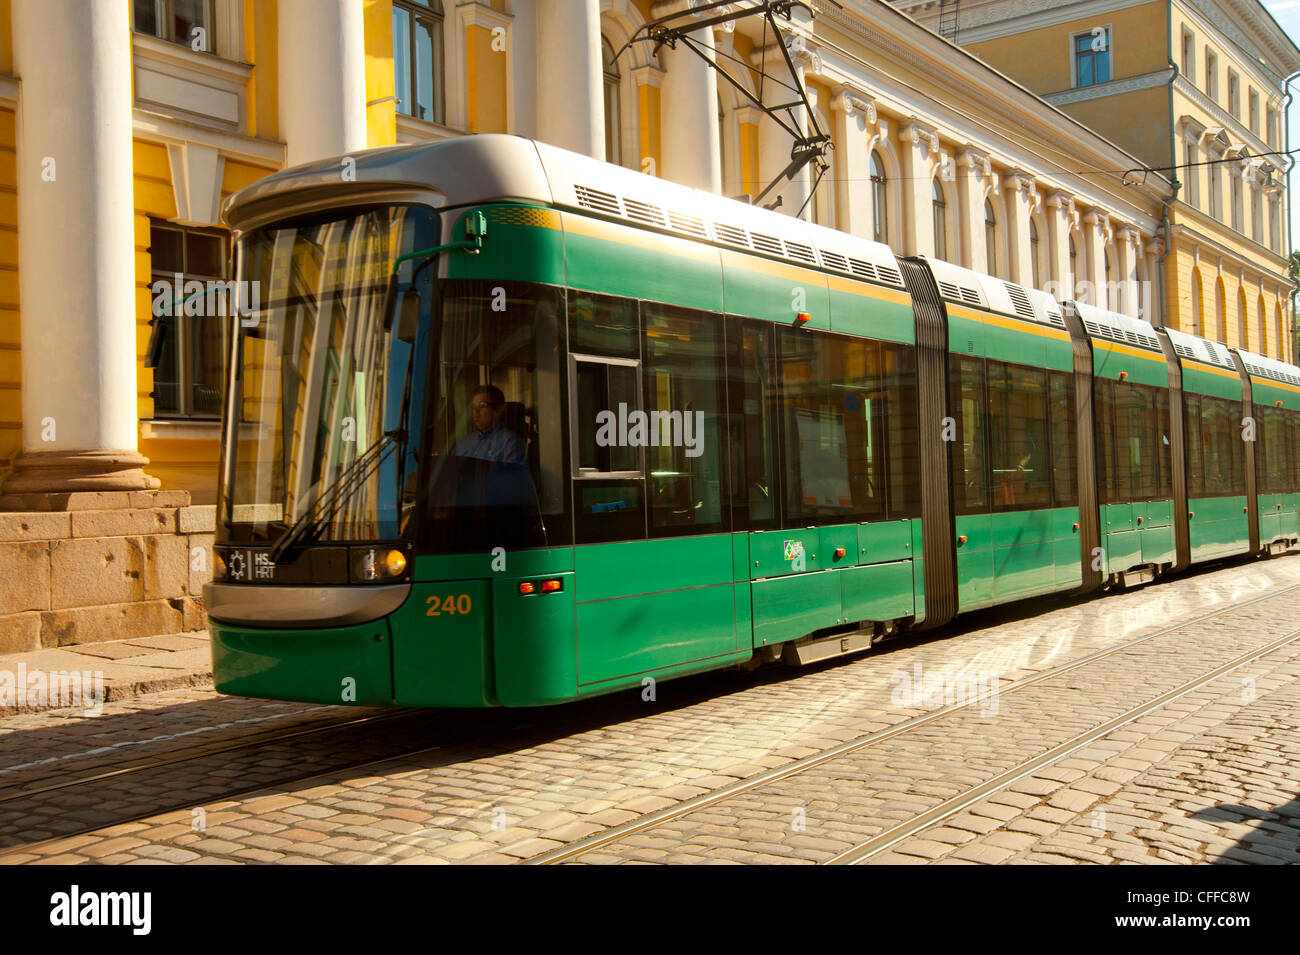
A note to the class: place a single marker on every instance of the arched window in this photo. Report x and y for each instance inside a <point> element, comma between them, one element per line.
<point>613,84</point>
<point>1073,280</point>
<point>417,59</point>
<point>940,222</point>
<point>991,237</point>
<point>1243,319</point>
<point>1263,327</point>
<point>1033,254</point>
<point>1196,321</point>
<point>722,145</point>
<point>1221,310</point>
<point>879,199</point>
<point>1110,283</point>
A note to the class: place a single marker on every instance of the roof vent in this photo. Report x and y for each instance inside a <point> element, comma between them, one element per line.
<point>598,200</point>
<point>1020,300</point>
<point>833,260</point>
<point>766,243</point>
<point>644,212</point>
<point>803,253</point>
<point>731,235</point>
<point>688,224</point>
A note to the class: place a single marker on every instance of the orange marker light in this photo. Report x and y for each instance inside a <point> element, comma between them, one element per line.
<point>551,586</point>
<point>840,552</point>
<point>1123,375</point>
<point>1279,404</point>
<point>527,587</point>
<point>803,318</point>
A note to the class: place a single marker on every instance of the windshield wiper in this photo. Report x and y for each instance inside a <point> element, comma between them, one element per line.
<point>339,491</point>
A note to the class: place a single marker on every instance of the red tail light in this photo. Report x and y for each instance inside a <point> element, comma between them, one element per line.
<point>551,586</point>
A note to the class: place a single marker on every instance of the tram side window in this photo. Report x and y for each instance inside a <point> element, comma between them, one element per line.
<point>900,419</point>
<point>609,498</point>
<point>1193,444</point>
<point>751,431</point>
<point>496,475</point>
<point>832,412</point>
<point>1018,441</point>
<point>1112,471</point>
<point>1276,454</point>
<point>683,402</point>
<point>1214,437</point>
<point>970,482</point>
<point>1164,446</point>
<point>1134,441</point>
<point>1065,440</point>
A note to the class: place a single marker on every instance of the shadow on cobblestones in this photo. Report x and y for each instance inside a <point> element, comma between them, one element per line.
<point>1273,840</point>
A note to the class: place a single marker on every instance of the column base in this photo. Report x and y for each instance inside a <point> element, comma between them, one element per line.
<point>60,473</point>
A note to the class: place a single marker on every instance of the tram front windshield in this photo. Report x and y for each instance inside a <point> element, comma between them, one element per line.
<point>370,408</point>
<point>326,368</point>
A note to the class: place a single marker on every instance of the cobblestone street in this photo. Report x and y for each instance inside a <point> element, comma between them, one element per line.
<point>1153,726</point>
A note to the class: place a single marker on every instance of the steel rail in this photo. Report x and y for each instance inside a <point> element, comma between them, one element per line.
<point>598,840</point>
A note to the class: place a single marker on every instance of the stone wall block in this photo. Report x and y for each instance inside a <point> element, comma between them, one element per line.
<point>166,566</point>
<point>160,498</point>
<point>123,523</point>
<point>24,576</point>
<point>100,570</point>
<point>198,519</point>
<point>200,571</point>
<point>35,526</point>
<point>20,632</point>
<point>122,621</point>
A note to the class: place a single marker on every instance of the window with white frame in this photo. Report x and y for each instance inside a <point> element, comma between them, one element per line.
<point>1234,94</point>
<point>1254,112</point>
<point>879,199</point>
<point>1211,74</point>
<point>940,207</point>
<point>1092,62</point>
<point>1234,179</point>
<point>991,237</point>
<point>190,332</point>
<point>613,81</point>
<point>1216,186</point>
<point>418,72</point>
<point>189,22</point>
<point>1188,62</point>
<point>1256,214</point>
<point>1191,181</point>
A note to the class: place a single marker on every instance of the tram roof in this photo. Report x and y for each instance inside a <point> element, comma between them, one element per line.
<point>494,167</point>
<point>1261,366</point>
<point>1201,349</point>
<point>1117,326</point>
<point>964,286</point>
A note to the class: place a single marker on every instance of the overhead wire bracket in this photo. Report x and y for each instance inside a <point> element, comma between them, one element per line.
<point>810,144</point>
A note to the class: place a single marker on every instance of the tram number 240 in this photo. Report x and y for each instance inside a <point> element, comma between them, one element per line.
<point>452,603</point>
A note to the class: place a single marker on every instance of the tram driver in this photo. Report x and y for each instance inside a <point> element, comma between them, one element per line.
<point>490,440</point>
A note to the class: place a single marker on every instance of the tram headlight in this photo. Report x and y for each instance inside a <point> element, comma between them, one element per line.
<point>218,566</point>
<point>375,564</point>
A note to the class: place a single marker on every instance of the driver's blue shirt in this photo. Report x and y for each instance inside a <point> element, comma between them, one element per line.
<point>498,444</point>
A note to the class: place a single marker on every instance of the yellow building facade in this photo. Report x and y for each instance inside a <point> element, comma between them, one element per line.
<point>935,152</point>
<point>1195,88</point>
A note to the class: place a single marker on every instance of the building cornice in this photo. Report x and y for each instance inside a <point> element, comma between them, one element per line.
<point>1127,84</point>
<point>1025,117</point>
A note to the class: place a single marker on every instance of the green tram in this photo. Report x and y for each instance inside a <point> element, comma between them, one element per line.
<point>509,426</point>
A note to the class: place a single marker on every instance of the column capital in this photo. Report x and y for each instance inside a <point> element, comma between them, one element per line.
<point>647,74</point>
<point>853,102</point>
<point>920,134</point>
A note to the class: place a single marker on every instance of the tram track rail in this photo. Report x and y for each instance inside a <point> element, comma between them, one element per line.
<point>573,851</point>
<point>891,837</point>
<point>14,808</point>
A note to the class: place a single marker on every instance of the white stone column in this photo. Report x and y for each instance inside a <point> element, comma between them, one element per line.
<point>1060,210</point>
<point>851,112</point>
<point>1017,189</point>
<point>972,170</point>
<point>1126,270</point>
<point>692,153</point>
<point>322,78</point>
<point>570,77</point>
<point>76,249</point>
<point>1096,227</point>
<point>917,142</point>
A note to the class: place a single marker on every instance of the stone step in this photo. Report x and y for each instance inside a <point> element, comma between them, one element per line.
<point>47,629</point>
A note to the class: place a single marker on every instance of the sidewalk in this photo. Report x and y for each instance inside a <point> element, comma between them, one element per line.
<point>127,668</point>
